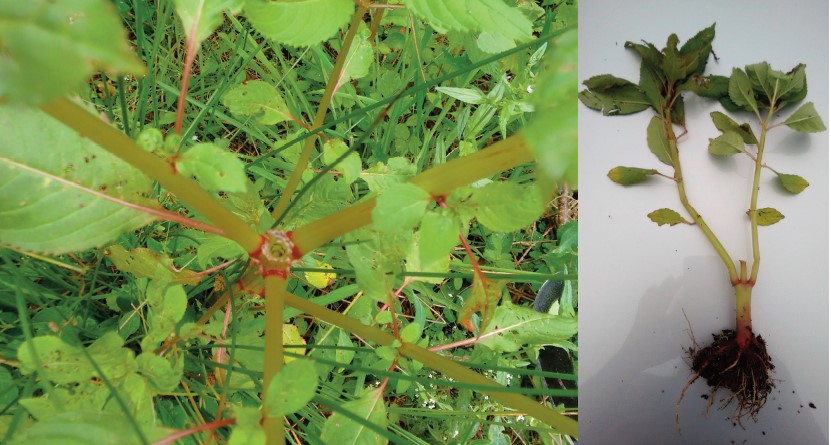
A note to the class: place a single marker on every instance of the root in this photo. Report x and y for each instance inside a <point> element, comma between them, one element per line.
<point>678,403</point>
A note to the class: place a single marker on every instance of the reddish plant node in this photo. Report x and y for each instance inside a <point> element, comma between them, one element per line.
<point>440,200</point>
<point>295,251</point>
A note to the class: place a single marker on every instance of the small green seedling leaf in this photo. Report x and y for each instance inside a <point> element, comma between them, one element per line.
<point>792,183</point>
<point>630,175</point>
<point>724,123</point>
<point>767,216</point>
<point>350,166</point>
<point>411,333</point>
<point>467,95</point>
<point>292,388</point>
<point>728,144</point>
<point>657,141</point>
<point>258,100</point>
<point>400,207</point>
<point>507,206</point>
<point>370,408</point>
<point>741,91</point>
<point>215,168</point>
<point>247,430</point>
<point>667,216</point>
<point>299,23</point>
<point>806,119</point>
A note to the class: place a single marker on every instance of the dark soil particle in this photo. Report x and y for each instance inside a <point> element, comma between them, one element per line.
<point>811,404</point>
<point>743,371</point>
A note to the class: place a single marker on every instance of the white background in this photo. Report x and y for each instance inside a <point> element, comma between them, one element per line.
<point>636,278</point>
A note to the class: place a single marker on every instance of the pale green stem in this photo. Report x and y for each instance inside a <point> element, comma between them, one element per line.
<point>682,195</point>
<point>90,126</point>
<point>444,365</point>
<point>275,293</point>
<point>308,146</point>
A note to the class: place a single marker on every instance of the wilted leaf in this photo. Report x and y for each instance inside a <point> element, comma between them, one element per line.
<point>792,183</point>
<point>321,280</point>
<point>806,119</point>
<point>613,96</point>
<point>630,175</point>
<point>741,91</point>
<point>767,216</point>
<point>724,123</point>
<point>728,144</point>
<point>484,297</point>
<point>700,45</point>
<point>667,216</point>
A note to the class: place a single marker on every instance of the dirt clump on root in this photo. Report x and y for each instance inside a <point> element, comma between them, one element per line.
<point>744,371</point>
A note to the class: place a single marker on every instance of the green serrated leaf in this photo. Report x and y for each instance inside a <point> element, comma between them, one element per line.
<point>217,247</point>
<point>50,180</point>
<point>439,233</point>
<point>507,206</point>
<point>767,216</point>
<point>144,263</point>
<point>370,408</point>
<point>741,91</point>
<point>159,373</point>
<point>292,388</point>
<point>792,183</point>
<point>58,361</point>
<point>613,96</point>
<point>216,168</point>
<point>299,23</point>
<point>167,307</point>
<point>350,166</point>
<point>630,175</point>
<point>728,144</point>
<point>667,216</point>
<point>700,45</point>
<point>400,207</point>
<point>806,119</point>
<point>473,16</point>
<point>259,100</point>
<point>725,124</point>
<point>793,88</point>
<point>49,48</point>
<point>381,176</point>
<point>656,140</point>
<point>201,17</point>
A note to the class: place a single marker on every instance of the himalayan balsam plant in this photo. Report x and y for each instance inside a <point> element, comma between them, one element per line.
<point>737,360</point>
<point>338,152</point>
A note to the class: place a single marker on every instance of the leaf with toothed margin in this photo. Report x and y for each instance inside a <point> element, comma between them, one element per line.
<point>55,185</point>
<point>493,16</point>
<point>767,216</point>
<point>299,23</point>
<point>667,216</point>
<point>792,183</point>
<point>200,18</point>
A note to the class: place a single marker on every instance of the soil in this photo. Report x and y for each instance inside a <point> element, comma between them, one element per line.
<point>745,372</point>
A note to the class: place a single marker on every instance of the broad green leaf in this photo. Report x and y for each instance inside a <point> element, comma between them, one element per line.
<point>741,91</point>
<point>259,100</point>
<point>299,23</point>
<point>158,372</point>
<point>59,362</point>
<point>438,234</point>
<point>484,297</point>
<point>760,77</point>
<point>700,45</point>
<point>493,43</point>
<point>493,16</point>
<point>411,333</point>
<point>467,95</point>
<point>516,326</point>
<point>49,48</point>
<point>370,408</point>
<point>792,183</point>
<point>767,216</point>
<point>651,84</point>
<point>217,247</point>
<point>794,87</point>
<point>350,166</point>
<point>345,352</point>
<point>657,141</point>
<point>292,388</point>
<point>167,307</point>
<point>400,207</point>
<point>806,119</point>
<point>630,175</point>
<point>728,144</point>
<point>54,186</point>
<point>650,55</point>
<point>112,358</point>
<point>712,87</point>
<point>667,216</point>
<point>507,206</point>
<point>675,66</point>
<point>216,168</point>
<point>325,197</point>
<point>381,176</point>
<point>358,59</point>
<point>724,123</point>
<point>85,427</point>
<point>613,96</point>
<point>143,262</point>
<point>201,17</point>
<point>247,430</point>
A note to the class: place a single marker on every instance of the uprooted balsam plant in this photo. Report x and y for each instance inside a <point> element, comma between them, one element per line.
<point>737,360</point>
<point>356,166</point>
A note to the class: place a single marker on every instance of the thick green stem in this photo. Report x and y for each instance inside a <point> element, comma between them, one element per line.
<point>306,154</point>
<point>446,366</point>
<point>754,196</point>
<point>682,195</point>
<point>438,181</point>
<point>90,126</point>
<point>275,293</point>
